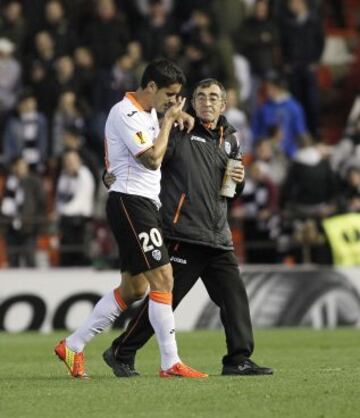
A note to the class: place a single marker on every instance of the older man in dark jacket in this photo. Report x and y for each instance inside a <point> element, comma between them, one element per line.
<point>194,216</point>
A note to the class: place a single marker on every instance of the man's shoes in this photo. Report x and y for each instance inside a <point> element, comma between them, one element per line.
<point>181,370</point>
<point>75,362</point>
<point>119,369</point>
<point>246,368</point>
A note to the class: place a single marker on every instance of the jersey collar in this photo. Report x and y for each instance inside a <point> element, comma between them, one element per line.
<point>130,95</point>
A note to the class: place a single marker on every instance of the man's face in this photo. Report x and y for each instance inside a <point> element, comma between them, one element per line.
<point>72,163</point>
<point>165,97</point>
<point>208,103</point>
<point>272,90</point>
<point>27,105</point>
<point>297,6</point>
<point>21,169</point>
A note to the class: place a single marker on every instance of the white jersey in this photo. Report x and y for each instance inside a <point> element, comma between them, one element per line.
<point>130,131</point>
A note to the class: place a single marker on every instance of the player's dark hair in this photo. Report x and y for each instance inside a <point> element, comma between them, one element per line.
<point>164,73</point>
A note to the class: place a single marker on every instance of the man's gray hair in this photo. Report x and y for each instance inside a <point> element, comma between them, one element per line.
<point>207,82</point>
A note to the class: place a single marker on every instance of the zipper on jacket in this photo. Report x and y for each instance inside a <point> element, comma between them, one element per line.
<point>178,209</point>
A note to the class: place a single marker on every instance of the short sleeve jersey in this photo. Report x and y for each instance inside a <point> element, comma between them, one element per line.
<point>130,131</point>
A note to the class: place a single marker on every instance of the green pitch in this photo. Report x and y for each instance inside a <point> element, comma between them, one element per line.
<point>317,374</point>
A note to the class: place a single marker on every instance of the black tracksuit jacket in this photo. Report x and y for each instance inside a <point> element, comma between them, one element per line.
<point>193,210</point>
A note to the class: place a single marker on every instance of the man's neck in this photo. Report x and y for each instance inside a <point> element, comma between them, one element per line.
<point>210,125</point>
<point>142,98</point>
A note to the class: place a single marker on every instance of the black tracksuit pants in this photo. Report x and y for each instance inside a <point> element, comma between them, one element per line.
<point>219,271</point>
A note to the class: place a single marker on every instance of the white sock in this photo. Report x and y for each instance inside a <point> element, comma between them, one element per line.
<point>104,314</point>
<point>162,320</point>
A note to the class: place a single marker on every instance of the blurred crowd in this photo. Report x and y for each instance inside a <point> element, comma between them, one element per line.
<point>64,64</point>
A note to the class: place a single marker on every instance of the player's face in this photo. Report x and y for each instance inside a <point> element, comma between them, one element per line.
<point>166,97</point>
<point>208,103</point>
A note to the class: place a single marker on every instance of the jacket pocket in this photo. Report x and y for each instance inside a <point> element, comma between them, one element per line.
<point>178,209</point>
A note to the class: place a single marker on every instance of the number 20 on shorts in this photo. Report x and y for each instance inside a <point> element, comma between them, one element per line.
<point>148,241</point>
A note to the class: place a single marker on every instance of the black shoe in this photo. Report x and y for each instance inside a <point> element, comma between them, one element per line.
<point>119,369</point>
<point>246,368</point>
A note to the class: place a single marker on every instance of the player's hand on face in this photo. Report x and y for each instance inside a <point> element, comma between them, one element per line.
<point>238,173</point>
<point>175,111</point>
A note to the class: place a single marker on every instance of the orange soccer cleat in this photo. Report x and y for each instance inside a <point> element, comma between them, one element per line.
<point>182,370</point>
<point>75,362</point>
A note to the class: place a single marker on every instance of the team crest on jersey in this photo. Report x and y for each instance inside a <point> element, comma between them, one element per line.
<point>156,254</point>
<point>140,138</point>
<point>227,147</point>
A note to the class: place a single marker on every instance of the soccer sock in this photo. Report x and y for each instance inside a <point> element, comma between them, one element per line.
<point>108,308</point>
<point>162,320</point>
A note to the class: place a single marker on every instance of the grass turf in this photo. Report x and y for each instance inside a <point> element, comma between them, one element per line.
<point>317,374</point>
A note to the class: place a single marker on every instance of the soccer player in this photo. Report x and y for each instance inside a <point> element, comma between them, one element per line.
<point>194,221</point>
<point>135,145</point>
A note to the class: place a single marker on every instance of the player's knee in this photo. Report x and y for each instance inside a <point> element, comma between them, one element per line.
<point>162,281</point>
<point>132,290</point>
<point>139,292</point>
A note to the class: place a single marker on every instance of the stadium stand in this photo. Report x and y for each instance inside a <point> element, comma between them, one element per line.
<point>78,58</point>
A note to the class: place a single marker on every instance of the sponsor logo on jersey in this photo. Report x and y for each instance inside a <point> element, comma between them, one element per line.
<point>156,254</point>
<point>140,138</point>
<point>227,147</point>
<point>178,260</point>
<point>197,138</point>
<point>132,113</point>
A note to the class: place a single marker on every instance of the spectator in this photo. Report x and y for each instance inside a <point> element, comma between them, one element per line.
<point>238,119</point>
<point>113,84</point>
<point>67,115</point>
<point>85,74</point>
<point>282,110</point>
<point>302,41</point>
<point>202,33</point>
<point>268,151</point>
<point>107,34</point>
<point>41,62</point>
<point>308,196</point>
<point>64,75</point>
<point>10,77</point>
<point>173,48</point>
<point>13,25</point>
<point>110,87</point>
<point>152,32</point>
<point>259,211</point>
<point>23,206</point>
<point>184,8</point>
<point>243,79</point>
<point>310,187</point>
<point>74,206</point>
<point>43,85</point>
<point>134,51</point>
<point>229,15</point>
<point>58,26</point>
<point>26,134</point>
<point>258,40</point>
<point>75,141</point>
<point>44,52</point>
